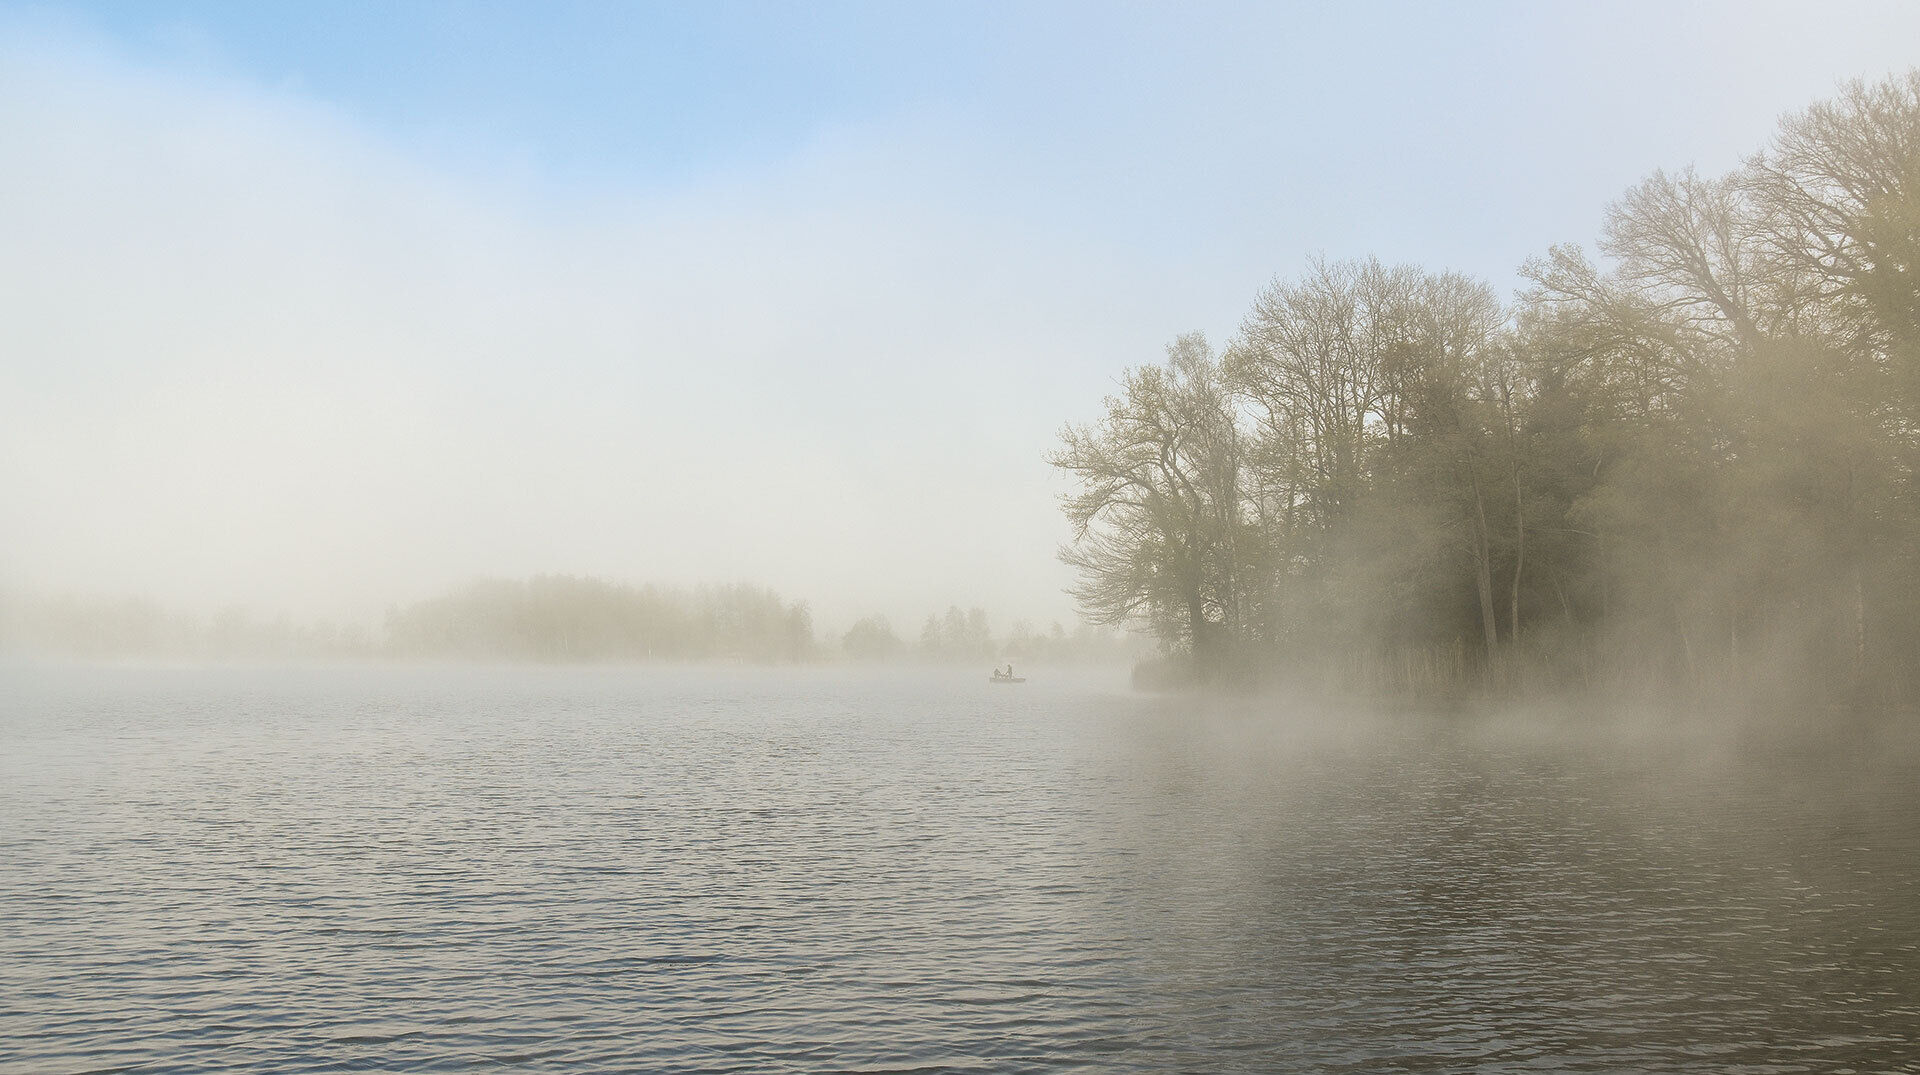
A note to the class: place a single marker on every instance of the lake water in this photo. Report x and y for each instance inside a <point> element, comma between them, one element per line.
<point>737,870</point>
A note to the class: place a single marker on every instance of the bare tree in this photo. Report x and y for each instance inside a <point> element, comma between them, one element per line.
<point>1160,528</point>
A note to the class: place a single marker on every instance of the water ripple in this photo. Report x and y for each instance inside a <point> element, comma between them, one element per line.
<point>244,870</point>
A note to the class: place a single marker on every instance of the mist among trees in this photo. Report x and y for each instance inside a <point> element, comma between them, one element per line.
<point>561,619</point>
<point>1686,463</point>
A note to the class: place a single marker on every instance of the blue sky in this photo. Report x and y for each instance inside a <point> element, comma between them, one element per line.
<point>617,93</point>
<point>1473,134</point>
<point>322,306</point>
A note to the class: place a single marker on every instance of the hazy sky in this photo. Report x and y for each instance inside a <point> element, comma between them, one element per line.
<point>317,308</point>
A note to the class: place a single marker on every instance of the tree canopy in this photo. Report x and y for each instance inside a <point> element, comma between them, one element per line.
<point>1690,462</point>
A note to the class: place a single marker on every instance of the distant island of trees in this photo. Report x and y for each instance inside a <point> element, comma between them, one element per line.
<point>1691,466</point>
<point>547,618</point>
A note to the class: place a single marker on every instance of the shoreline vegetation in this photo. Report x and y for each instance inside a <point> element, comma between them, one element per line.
<point>1686,470</point>
<point>556,619</point>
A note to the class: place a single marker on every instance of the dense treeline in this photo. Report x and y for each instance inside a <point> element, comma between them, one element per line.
<point>554,618</point>
<point>116,627</point>
<point>545,618</point>
<point>1689,465</point>
<point>563,618</point>
<point>960,637</point>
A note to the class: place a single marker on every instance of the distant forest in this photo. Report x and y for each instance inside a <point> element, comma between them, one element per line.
<point>561,618</point>
<point>1690,465</point>
<point>548,618</point>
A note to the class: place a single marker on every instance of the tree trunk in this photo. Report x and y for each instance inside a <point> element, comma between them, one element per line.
<point>1686,644</point>
<point>1202,646</point>
<point>1859,622</point>
<point>1519,515</point>
<point>1519,561</point>
<point>1733,643</point>
<point>1483,564</point>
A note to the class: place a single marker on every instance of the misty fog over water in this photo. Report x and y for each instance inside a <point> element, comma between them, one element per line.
<point>927,537</point>
<point>702,870</point>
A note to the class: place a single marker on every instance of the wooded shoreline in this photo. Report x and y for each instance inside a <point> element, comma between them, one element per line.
<point>1688,468</point>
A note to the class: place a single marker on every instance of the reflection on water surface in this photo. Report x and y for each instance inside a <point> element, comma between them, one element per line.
<point>750,871</point>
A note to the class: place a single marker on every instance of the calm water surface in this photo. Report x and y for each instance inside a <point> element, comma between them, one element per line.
<point>703,871</point>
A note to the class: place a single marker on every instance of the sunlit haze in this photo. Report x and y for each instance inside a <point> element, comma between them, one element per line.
<point>1015,537</point>
<point>314,311</point>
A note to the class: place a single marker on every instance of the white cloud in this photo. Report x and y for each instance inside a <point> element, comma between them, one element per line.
<point>257,351</point>
<point>258,356</point>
